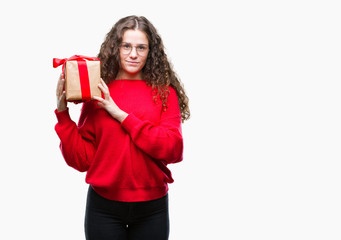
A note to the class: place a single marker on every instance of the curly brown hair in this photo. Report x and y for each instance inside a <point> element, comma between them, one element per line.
<point>158,71</point>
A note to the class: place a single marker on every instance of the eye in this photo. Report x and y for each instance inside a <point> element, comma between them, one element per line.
<point>126,46</point>
<point>142,48</point>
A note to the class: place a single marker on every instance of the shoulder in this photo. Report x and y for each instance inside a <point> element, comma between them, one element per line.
<point>171,90</point>
<point>172,94</point>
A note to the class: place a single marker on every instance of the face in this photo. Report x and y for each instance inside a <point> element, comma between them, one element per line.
<point>133,54</point>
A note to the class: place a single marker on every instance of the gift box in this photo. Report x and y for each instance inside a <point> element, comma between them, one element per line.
<point>82,75</point>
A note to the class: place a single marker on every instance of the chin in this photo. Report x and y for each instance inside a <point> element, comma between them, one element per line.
<point>133,71</point>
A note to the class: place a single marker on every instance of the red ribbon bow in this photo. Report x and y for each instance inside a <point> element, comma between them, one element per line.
<point>83,72</point>
<point>57,62</point>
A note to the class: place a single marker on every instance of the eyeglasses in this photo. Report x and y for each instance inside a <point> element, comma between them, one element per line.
<point>141,49</point>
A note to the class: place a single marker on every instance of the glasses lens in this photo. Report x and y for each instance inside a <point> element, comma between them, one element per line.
<point>126,48</point>
<point>141,50</point>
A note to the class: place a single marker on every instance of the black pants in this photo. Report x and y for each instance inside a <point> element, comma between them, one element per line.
<point>106,219</point>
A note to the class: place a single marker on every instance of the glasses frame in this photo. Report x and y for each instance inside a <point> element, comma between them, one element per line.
<point>136,49</point>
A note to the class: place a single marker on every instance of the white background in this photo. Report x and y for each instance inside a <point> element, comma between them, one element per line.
<point>262,149</point>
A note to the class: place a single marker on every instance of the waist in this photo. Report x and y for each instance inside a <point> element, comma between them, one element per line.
<point>131,194</point>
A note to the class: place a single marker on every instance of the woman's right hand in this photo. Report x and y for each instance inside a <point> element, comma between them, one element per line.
<point>60,92</point>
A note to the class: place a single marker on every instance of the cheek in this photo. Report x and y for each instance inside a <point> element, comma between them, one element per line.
<point>121,59</point>
<point>144,61</point>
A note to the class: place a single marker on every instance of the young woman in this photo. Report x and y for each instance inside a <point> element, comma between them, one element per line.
<point>126,139</point>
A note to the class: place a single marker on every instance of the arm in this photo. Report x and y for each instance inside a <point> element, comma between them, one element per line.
<point>163,140</point>
<point>77,142</point>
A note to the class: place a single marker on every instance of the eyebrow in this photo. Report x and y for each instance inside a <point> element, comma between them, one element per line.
<point>136,44</point>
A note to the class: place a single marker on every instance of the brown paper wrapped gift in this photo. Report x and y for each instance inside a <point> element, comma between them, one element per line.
<point>82,76</point>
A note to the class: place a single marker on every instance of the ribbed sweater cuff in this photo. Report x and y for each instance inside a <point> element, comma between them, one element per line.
<point>63,116</point>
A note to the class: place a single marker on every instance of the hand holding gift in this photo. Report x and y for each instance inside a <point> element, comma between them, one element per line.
<point>108,104</point>
<point>81,81</point>
<point>60,92</point>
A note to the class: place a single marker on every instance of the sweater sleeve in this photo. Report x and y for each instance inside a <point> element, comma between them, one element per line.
<point>162,140</point>
<point>77,143</point>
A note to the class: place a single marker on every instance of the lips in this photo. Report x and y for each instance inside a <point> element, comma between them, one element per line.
<point>132,63</point>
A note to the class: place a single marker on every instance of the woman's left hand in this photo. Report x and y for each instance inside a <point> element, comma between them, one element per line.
<point>108,104</point>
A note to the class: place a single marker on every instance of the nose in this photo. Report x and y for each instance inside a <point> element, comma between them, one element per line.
<point>133,53</point>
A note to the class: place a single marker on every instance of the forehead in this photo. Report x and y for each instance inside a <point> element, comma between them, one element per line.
<point>135,37</point>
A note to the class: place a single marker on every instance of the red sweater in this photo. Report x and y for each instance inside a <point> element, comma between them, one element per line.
<point>125,161</point>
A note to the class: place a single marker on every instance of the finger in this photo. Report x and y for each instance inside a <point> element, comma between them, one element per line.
<point>63,97</point>
<point>99,99</point>
<point>100,86</point>
<point>104,90</point>
<point>60,86</point>
<point>100,104</point>
<point>61,102</point>
<point>104,84</point>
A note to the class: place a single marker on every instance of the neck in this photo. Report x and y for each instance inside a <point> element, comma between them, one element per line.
<point>129,76</point>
